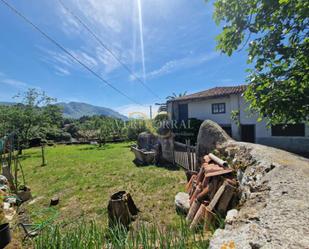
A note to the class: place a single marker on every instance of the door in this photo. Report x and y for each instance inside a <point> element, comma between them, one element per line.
<point>183,112</point>
<point>248,133</point>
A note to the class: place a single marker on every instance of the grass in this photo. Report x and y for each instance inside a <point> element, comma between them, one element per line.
<point>84,177</point>
<point>92,236</point>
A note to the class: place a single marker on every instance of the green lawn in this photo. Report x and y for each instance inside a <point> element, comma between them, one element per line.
<point>84,177</point>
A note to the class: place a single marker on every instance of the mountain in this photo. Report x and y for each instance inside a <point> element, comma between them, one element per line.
<point>77,110</point>
<point>7,103</point>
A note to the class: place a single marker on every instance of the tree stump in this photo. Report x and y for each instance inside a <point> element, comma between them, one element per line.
<point>121,209</point>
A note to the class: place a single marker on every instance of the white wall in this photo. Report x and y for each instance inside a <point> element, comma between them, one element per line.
<point>202,110</point>
<point>247,117</point>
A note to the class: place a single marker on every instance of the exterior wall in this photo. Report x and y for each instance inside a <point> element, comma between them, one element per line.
<point>202,109</point>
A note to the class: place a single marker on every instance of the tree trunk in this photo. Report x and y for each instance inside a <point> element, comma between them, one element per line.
<point>121,209</point>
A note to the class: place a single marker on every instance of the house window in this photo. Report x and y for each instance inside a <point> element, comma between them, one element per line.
<point>218,108</point>
<point>294,130</point>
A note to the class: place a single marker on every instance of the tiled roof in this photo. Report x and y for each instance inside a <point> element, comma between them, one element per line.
<point>213,93</point>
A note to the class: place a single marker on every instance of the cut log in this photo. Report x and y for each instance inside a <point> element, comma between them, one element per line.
<point>199,217</point>
<point>217,160</point>
<point>192,211</point>
<point>225,199</point>
<point>121,209</point>
<point>209,219</point>
<point>216,197</point>
<point>190,183</point>
<point>195,194</point>
<point>202,195</point>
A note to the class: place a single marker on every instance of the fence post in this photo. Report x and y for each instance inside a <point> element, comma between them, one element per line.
<point>188,153</point>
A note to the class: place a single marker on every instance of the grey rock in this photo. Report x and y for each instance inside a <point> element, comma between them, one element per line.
<point>231,216</point>
<point>274,206</point>
<point>209,136</point>
<point>274,210</point>
<point>146,140</point>
<point>182,202</point>
<point>3,180</point>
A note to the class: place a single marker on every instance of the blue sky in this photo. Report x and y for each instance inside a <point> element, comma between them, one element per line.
<point>179,51</point>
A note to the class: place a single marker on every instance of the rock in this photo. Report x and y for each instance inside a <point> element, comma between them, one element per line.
<point>3,180</point>
<point>209,136</point>
<point>11,200</point>
<point>274,201</point>
<point>54,201</point>
<point>231,216</point>
<point>146,140</point>
<point>273,210</point>
<point>182,203</point>
<point>240,175</point>
<point>5,188</point>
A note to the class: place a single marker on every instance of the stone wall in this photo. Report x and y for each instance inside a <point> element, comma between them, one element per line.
<point>274,207</point>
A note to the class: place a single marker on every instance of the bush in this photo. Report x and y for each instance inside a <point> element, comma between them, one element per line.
<point>134,128</point>
<point>189,130</point>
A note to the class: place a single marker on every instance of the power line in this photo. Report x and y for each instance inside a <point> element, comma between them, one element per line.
<point>14,10</point>
<point>108,49</point>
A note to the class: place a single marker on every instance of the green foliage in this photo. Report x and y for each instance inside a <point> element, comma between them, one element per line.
<point>93,236</point>
<point>161,117</point>
<point>188,130</point>
<point>174,95</point>
<point>102,129</point>
<point>135,127</point>
<point>278,48</point>
<point>31,118</point>
<point>235,117</point>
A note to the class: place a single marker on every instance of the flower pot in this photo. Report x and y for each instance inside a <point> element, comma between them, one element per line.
<point>5,235</point>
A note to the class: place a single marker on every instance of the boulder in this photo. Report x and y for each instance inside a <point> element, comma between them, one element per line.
<point>182,203</point>
<point>3,180</point>
<point>273,208</point>
<point>146,140</point>
<point>231,216</point>
<point>210,135</point>
<point>274,202</point>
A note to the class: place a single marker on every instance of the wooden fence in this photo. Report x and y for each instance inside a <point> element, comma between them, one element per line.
<point>185,156</point>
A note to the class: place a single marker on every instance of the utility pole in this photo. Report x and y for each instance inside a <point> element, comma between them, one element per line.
<point>150,111</point>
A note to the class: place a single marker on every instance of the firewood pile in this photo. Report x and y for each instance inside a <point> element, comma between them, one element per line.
<point>210,192</point>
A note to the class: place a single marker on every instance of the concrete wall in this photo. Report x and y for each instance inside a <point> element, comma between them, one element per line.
<point>293,144</point>
<point>167,146</point>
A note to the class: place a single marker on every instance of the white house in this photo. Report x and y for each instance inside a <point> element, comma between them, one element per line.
<point>218,103</point>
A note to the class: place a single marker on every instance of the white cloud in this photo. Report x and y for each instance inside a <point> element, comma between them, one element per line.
<point>137,110</point>
<point>18,84</point>
<point>115,23</point>
<point>183,63</point>
<point>14,83</point>
<point>64,63</point>
<point>61,71</point>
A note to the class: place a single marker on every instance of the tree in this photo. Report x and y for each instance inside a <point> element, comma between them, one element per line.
<point>31,118</point>
<point>174,95</point>
<point>103,128</point>
<point>277,34</point>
